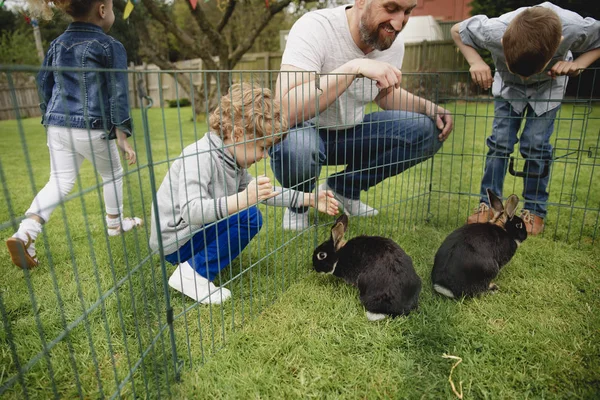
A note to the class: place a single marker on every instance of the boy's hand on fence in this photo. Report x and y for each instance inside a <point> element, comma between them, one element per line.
<point>481,74</point>
<point>325,202</point>
<point>384,73</point>
<point>260,189</point>
<point>126,148</point>
<point>569,68</point>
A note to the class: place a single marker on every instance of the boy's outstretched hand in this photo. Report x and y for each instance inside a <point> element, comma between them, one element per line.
<point>325,202</point>
<point>260,189</point>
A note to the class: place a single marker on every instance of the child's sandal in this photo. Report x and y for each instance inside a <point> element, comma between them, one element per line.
<point>126,225</point>
<point>18,252</point>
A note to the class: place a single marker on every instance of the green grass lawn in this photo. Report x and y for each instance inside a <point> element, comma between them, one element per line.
<point>91,321</point>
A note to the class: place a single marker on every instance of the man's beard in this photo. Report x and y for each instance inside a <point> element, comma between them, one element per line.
<point>371,36</point>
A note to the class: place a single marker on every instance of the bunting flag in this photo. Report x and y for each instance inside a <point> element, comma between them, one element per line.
<point>128,9</point>
<point>1,3</point>
<point>194,3</point>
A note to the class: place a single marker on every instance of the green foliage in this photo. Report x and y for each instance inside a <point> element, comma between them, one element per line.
<point>8,20</point>
<point>185,102</point>
<point>18,47</point>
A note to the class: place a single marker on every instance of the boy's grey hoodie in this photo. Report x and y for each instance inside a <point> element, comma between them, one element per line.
<point>194,192</point>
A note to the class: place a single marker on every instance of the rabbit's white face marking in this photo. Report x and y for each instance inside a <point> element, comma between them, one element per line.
<point>321,255</point>
<point>375,317</point>
<point>518,242</point>
<point>332,269</point>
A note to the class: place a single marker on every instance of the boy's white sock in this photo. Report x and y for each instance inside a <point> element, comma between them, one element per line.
<point>187,281</point>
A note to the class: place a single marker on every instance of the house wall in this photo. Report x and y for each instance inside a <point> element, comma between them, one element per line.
<point>451,10</point>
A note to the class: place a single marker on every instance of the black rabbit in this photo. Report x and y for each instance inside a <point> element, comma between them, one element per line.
<point>382,271</point>
<point>472,255</point>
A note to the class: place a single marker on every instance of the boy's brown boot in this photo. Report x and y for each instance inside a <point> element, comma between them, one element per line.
<point>483,214</point>
<point>534,223</point>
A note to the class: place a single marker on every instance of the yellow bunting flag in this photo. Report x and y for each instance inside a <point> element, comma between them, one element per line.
<point>194,3</point>
<point>128,9</point>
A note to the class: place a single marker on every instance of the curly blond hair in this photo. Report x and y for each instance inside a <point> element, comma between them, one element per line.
<point>75,8</point>
<point>249,111</point>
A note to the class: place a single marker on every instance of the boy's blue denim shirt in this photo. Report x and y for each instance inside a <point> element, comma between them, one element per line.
<point>85,97</point>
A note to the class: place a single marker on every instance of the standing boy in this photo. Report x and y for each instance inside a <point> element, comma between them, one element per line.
<point>207,202</point>
<point>531,48</point>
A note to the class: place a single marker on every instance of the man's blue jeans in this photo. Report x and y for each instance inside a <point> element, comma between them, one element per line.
<point>383,145</point>
<point>213,248</point>
<point>535,148</point>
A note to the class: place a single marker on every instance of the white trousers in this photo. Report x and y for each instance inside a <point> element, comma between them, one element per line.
<point>68,148</point>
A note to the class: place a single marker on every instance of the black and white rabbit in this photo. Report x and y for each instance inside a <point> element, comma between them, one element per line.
<point>384,274</point>
<point>471,256</point>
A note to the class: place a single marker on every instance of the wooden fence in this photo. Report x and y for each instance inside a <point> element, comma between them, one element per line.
<point>419,57</point>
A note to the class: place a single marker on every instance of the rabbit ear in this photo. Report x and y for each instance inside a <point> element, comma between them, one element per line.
<point>496,205</point>
<point>510,205</point>
<point>343,219</point>
<point>338,230</point>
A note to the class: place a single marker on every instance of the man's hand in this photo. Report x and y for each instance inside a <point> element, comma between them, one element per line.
<point>569,68</point>
<point>443,121</point>
<point>481,74</point>
<point>384,73</point>
<point>325,202</point>
<point>126,148</point>
<point>259,189</point>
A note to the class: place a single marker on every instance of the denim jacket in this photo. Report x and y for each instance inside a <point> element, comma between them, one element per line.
<point>83,83</point>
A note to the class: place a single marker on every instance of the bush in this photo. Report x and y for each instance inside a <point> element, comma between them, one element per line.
<point>179,103</point>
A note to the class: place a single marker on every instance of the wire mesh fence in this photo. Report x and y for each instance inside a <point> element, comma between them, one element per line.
<point>97,317</point>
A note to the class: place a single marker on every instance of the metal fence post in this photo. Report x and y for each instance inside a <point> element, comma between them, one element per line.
<point>169,310</point>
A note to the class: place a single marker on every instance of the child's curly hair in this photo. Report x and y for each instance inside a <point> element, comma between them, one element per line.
<point>75,8</point>
<point>249,111</point>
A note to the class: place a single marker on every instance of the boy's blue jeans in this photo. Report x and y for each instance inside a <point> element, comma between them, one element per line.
<point>535,148</point>
<point>383,145</point>
<point>213,248</point>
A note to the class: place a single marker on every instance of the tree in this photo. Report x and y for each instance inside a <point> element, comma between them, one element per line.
<point>219,32</point>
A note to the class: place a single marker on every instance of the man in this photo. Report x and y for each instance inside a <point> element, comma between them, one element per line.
<point>357,58</point>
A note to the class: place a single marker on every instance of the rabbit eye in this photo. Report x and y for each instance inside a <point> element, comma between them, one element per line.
<point>519,225</point>
<point>321,255</point>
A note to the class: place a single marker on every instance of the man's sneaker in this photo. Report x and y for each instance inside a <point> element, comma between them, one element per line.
<point>482,214</point>
<point>352,208</point>
<point>293,221</point>
<point>187,281</point>
<point>534,223</point>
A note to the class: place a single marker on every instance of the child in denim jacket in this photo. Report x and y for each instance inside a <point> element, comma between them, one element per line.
<point>83,111</point>
<point>531,48</point>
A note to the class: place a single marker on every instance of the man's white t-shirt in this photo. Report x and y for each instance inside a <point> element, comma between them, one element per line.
<point>320,41</point>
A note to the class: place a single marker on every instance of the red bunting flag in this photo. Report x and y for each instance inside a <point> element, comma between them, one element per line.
<point>194,3</point>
